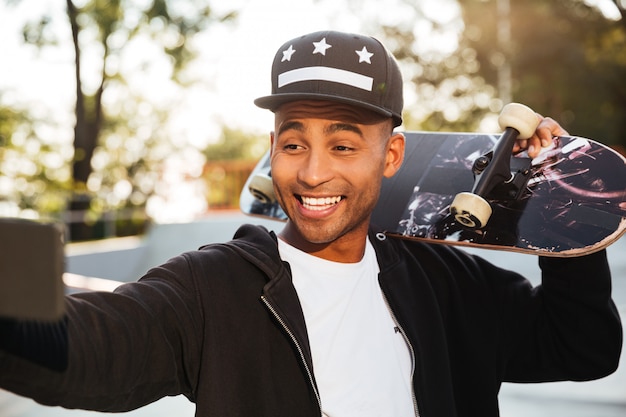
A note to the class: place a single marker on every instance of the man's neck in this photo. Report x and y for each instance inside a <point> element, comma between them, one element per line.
<point>344,249</point>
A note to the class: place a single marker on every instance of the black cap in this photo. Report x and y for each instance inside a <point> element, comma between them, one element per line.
<point>337,66</point>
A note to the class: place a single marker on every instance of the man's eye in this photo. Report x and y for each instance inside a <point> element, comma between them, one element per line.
<point>343,148</point>
<point>291,147</point>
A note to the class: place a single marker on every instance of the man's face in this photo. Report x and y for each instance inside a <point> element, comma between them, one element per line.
<point>327,162</point>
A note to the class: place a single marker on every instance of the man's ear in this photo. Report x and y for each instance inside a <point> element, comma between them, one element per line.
<point>395,154</point>
<point>271,143</point>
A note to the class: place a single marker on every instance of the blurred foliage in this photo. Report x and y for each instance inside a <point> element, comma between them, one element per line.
<point>104,30</point>
<point>567,60</point>
<point>230,161</point>
<point>445,88</point>
<point>34,175</point>
<point>237,144</point>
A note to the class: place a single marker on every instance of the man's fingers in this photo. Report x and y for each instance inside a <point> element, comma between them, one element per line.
<point>547,129</point>
<point>520,145</point>
<point>534,146</point>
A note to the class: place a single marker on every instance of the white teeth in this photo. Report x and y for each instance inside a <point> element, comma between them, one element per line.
<point>319,203</point>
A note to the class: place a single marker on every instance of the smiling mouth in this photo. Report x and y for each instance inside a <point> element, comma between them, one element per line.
<point>318,204</point>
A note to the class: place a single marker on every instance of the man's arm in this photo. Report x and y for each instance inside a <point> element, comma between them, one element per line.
<point>579,325</point>
<point>42,343</point>
<point>113,351</point>
<point>568,328</point>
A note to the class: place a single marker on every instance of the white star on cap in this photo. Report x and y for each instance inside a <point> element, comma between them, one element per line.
<point>364,55</point>
<point>321,47</point>
<point>287,54</point>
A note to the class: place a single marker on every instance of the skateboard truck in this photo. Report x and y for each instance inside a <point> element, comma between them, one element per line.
<point>496,174</point>
<point>262,188</point>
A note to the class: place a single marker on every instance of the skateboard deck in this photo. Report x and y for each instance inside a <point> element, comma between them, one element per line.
<point>572,200</point>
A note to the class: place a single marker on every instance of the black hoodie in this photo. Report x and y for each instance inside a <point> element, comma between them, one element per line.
<point>223,326</point>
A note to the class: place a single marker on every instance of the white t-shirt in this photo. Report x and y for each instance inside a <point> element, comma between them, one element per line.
<point>361,362</point>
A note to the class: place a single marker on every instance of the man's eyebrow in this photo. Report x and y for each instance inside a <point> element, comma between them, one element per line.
<point>338,127</point>
<point>290,125</point>
<point>333,128</point>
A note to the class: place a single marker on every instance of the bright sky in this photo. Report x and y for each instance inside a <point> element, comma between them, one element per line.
<point>234,65</point>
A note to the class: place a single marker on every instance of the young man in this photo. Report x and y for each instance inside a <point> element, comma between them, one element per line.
<point>330,317</point>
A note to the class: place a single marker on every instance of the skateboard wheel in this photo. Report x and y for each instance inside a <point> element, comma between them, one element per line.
<point>520,117</point>
<point>470,210</point>
<point>262,188</point>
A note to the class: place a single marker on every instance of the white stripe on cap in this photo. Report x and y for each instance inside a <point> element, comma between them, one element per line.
<point>326,74</point>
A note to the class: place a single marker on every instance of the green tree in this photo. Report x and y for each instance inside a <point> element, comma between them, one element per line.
<point>567,60</point>
<point>230,161</point>
<point>447,91</point>
<point>109,27</point>
<point>34,176</point>
<point>236,144</point>
<point>564,57</point>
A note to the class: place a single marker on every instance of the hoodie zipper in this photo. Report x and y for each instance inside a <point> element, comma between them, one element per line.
<point>411,351</point>
<point>298,347</point>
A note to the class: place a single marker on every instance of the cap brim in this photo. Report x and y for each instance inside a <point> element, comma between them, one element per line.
<point>274,101</point>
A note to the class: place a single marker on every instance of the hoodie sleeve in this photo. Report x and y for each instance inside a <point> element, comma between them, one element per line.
<point>43,343</point>
<point>567,328</point>
<point>114,351</point>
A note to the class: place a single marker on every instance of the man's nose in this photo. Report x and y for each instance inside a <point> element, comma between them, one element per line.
<point>317,168</point>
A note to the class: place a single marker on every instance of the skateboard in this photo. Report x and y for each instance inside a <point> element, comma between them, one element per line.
<point>468,189</point>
